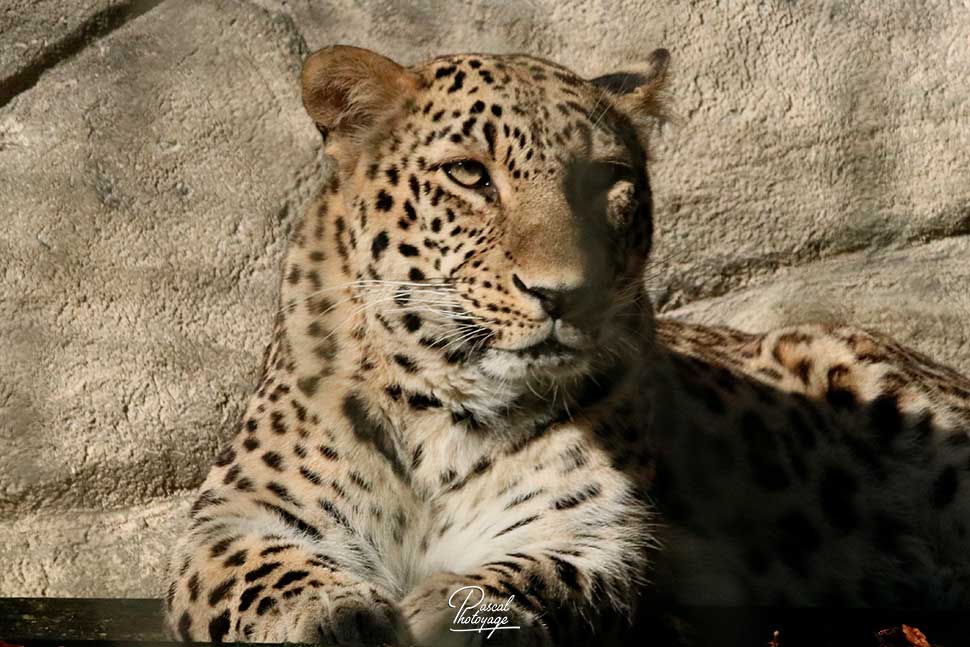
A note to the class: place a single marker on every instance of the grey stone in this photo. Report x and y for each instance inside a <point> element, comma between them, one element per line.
<point>92,553</point>
<point>148,186</point>
<point>37,34</point>
<point>919,293</point>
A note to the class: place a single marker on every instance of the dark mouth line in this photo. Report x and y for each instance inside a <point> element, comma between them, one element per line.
<point>549,346</point>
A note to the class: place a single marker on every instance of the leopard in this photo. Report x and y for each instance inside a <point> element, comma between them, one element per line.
<point>471,426</point>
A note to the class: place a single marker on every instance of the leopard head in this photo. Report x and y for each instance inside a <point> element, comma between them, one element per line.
<point>491,213</point>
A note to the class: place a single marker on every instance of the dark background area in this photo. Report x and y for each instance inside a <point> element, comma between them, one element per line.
<point>139,621</point>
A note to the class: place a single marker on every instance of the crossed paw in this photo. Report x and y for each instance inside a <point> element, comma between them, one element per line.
<point>347,616</point>
<point>444,611</point>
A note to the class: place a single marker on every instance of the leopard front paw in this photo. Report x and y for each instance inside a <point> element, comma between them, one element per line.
<point>448,611</point>
<point>354,616</point>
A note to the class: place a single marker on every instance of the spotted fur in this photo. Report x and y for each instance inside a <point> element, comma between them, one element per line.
<point>467,386</point>
<point>820,465</point>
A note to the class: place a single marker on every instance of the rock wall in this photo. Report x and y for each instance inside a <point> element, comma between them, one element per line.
<point>154,154</point>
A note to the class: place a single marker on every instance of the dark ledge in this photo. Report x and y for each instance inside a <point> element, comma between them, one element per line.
<point>56,52</point>
<point>69,622</point>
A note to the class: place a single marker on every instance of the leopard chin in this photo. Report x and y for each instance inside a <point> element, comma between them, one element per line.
<point>546,363</point>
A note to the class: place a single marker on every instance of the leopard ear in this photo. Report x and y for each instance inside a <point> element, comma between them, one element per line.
<point>347,89</point>
<point>640,91</point>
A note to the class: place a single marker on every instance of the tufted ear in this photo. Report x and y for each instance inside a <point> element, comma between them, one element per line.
<point>640,91</point>
<point>347,89</point>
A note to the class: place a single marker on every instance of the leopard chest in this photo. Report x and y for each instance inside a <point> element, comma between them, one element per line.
<point>524,498</point>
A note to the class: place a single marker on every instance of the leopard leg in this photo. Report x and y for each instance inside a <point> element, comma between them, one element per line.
<point>259,579</point>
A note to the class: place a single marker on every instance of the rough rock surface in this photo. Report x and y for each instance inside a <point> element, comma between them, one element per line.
<point>153,155</point>
<point>148,185</point>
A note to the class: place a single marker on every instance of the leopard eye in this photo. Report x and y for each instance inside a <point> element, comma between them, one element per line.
<point>468,173</point>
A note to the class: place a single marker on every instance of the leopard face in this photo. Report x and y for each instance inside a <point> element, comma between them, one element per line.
<point>498,208</point>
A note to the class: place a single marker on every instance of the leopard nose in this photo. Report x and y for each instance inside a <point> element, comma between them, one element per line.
<point>557,303</point>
